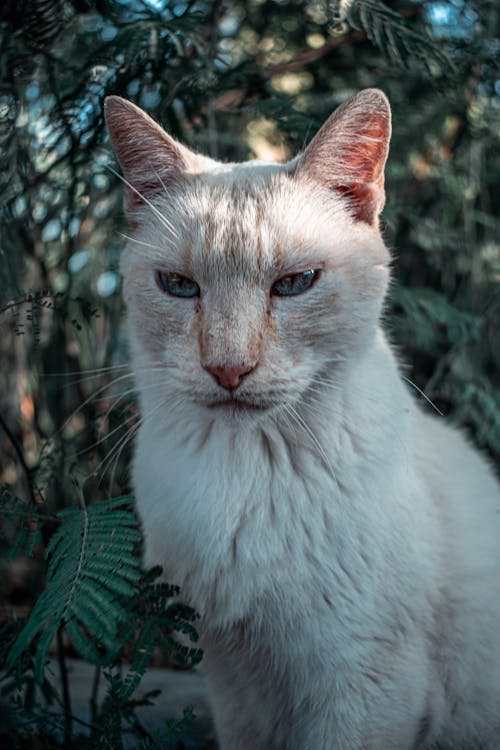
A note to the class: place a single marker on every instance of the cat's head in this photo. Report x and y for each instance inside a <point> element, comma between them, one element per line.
<point>248,285</point>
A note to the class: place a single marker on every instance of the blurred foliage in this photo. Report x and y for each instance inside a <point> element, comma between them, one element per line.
<point>232,80</point>
<point>97,596</point>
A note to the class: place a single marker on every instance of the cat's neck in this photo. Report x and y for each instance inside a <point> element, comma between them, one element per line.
<point>224,489</point>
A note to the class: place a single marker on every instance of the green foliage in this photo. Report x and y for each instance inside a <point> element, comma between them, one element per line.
<point>174,731</point>
<point>20,522</point>
<point>390,33</point>
<point>443,332</point>
<point>96,593</point>
<point>439,322</point>
<point>92,567</point>
<point>155,618</point>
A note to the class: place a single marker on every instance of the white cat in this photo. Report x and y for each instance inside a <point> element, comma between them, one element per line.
<point>341,546</point>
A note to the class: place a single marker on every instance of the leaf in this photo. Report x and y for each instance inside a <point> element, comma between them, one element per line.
<point>91,570</point>
<point>390,33</point>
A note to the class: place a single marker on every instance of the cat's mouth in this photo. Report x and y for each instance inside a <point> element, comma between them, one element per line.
<point>236,405</point>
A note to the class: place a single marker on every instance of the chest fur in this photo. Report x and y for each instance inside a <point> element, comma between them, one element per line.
<point>242,520</point>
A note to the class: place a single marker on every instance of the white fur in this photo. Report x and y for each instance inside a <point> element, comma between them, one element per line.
<point>403,542</point>
<point>342,547</point>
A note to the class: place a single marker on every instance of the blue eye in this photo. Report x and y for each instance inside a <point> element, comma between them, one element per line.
<point>295,283</point>
<point>177,285</point>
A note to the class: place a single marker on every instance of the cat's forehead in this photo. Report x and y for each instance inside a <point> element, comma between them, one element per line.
<point>254,216</point>
<point>248,221</point>
<point>240,226</point>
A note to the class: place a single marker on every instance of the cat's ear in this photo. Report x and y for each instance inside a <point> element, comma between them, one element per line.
<point>151,160</point>
<point>349,153</point>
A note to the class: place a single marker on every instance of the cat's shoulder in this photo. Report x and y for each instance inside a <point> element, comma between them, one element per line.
<point>455,470</point>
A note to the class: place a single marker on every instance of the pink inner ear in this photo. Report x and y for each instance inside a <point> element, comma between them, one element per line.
<point>366,157</point>
<point>364,161</point>
<point>349,152</point>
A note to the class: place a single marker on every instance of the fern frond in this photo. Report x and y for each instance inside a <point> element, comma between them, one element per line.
<point>390,33</point>
<point>92,569</point>
<point>143,651</point>
<point>154,619</point>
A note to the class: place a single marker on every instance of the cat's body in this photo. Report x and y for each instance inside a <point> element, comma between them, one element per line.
<point>341,546</point>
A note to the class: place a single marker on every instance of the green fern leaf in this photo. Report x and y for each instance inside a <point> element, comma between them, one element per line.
<point>84,645</point>
<point>390,33</point>
<point>92,568</point>
<point>143,651</point>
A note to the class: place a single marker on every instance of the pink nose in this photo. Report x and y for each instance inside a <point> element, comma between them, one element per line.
<point>229,377</point>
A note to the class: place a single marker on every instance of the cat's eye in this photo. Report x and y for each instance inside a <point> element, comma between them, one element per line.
<point>295,283</point>
<point>176,284</point>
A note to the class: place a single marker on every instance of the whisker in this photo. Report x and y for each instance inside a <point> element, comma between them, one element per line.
<point>161,181</point>
<point>87,400</point>
<point>105,462</point>
<point>334,385</point>
<point>95,370</point>
<point>316,406</point>
<point>281,412</point>
<point>155,368</point>
<point>334,359</point>
<point>163,220</point>
<point>293,413</point>
<point>130,435</point>
<point>107,413</point>
<point>89,379</point>
<point>139,242</point>
<point>137,388</point>
<point>142,418</point>
<point>104,437</point>
<point>423,394</point>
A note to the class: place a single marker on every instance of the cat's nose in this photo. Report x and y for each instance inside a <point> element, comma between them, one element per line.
<point>229,377</point>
